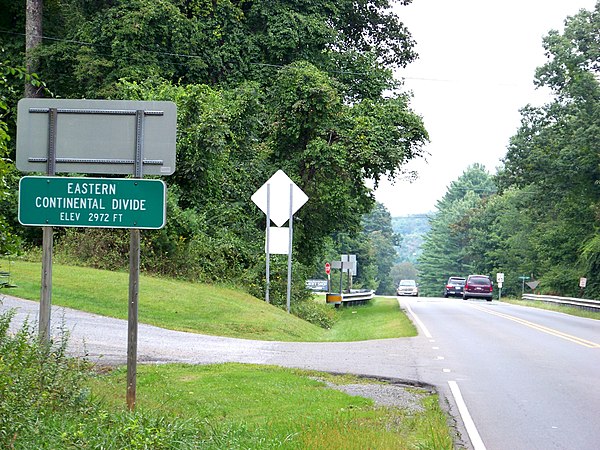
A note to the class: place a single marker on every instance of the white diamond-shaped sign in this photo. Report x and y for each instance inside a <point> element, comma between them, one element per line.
<point>279,193</point>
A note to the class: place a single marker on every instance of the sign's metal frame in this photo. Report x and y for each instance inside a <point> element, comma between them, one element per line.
<point>272,198</point>
<point>94,136</point>
<point>83,162</point>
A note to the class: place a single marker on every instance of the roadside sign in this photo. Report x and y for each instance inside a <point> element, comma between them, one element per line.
<point>327,268</point>
<point>316,285</point>
<point>582,282</point>
<point>279,240</point>
<point>92,202</point>
<point>500,277</point>
<point>279,198</point>
<point>96,136</point>
<point>349,263</point>
<point>278,204</point>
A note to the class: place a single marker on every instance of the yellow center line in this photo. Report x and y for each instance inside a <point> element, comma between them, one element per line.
<point>541,328</point>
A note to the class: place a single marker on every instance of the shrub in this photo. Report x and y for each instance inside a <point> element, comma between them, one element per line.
<point>36,379</point>
<point>316,313</point>
<point>44,402</point>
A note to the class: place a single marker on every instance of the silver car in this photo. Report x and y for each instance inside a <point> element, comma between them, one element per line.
<point>408,287</point>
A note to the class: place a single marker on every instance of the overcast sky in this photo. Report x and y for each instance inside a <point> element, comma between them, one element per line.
<point>475,70</point>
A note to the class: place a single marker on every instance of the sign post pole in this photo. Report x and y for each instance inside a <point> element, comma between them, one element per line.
<point>268,250</point>
<point>500,280</point>
<point>523,278</point>
<point>132,316</point>
<point>280,208</point>
<point>582,285</point>
<point>48,239</point>
<point>134,273</point>
<point>289,278</point>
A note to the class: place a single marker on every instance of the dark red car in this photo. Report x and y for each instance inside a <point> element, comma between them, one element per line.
<point>478,286</point>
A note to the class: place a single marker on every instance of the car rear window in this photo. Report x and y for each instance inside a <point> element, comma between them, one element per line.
<point>457,281</point>
<point>484,281</point>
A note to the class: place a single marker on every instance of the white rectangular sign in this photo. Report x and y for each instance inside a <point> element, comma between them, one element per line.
<point>96,136</point>
<point>279,241</point>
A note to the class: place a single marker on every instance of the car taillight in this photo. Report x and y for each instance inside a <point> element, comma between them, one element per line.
<point>491,287</point>
<point>467,286</point>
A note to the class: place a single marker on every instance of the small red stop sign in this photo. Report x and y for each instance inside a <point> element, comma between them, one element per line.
<point>327,268</point>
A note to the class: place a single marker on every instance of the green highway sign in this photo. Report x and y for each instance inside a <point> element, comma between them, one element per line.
<point>92,202</point>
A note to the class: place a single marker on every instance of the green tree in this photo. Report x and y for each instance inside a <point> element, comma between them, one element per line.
<point>377,229</point>
<point>8,240</point>
<point>12,83</point>
<point>554,158</point>
<point>445,245</point>
<point>411,230</point>
<point>403,271</point>
<point>331,147</point>
<point>90,45</point>
<point>374,247</point>
<point>500,239</point>
<point>260,86</point>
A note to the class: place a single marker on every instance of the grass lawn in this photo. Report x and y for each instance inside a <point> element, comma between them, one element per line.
<point>572,310</point>
<point>372,321</point>
<point>234,406</point>
<point>251,406</point>
<point>203,308</point>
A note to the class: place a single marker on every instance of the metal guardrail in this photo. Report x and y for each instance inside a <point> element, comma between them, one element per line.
<point>356,297</point>
<point>569,301</point>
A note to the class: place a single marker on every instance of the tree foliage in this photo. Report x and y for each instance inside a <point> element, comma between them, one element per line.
<point>554,160</point>
<point>90,45</point>
<point>544,221</point>
<point>410,230</point>
<point>259,86</point>
<point>9,76</point>
<point>444,248</point>
<point>373,245</point>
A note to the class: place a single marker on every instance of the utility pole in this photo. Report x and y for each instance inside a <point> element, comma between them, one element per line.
<point>33,38</point>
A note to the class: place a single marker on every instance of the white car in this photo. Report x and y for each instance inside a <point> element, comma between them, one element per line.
<point>408,287</point>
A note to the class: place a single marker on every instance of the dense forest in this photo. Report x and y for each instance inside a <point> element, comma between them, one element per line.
<point>411,228</point>
<point>310,88</point>
<point>539,215</point>
<point>307,87</point>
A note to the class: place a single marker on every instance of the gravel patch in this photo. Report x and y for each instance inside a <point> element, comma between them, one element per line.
<point>385,394</point>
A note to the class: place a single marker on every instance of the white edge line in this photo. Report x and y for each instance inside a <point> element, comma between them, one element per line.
<point>416,319</point>
<point>466,417</point>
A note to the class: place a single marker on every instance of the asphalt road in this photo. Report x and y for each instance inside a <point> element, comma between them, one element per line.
<point>514,378</point>
<point>530,379</point>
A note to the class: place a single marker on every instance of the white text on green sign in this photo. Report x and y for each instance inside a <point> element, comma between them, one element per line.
<point>92,202</point>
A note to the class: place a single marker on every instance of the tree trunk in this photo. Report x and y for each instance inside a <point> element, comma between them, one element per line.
<point>33,37</point>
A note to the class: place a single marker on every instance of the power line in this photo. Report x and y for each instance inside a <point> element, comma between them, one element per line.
<point>164,53</point>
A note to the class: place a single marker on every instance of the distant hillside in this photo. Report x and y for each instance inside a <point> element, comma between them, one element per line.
<point>411,229</point>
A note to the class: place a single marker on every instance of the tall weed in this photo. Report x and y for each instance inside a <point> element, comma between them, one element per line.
<point>36,380</point>
<point>45,403</point>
